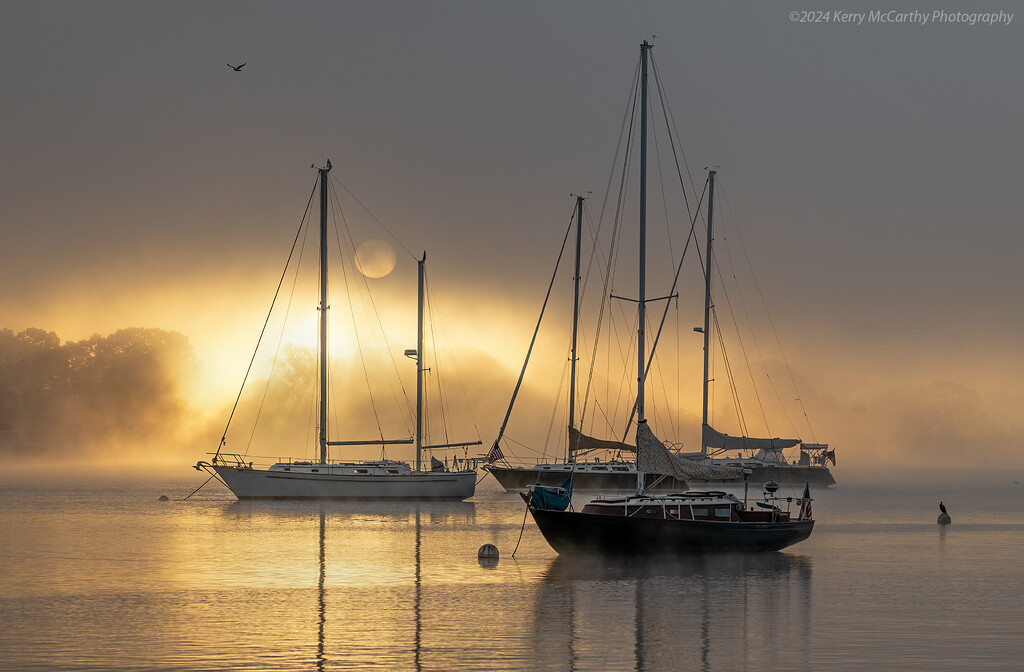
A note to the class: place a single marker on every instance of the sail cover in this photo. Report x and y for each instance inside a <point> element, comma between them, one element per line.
<point>715,439</point>
<point>652,457</point>
<point>579,443</point>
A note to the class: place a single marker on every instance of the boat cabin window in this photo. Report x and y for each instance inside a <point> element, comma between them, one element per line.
<point>723,512</point>
<point>359,471</point>
<point>392,471</point>
<point>701,512</point>
<point>620,468</point>
<point>600,468</point>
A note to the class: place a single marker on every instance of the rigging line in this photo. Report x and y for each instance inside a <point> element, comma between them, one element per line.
<point>370,213</point>
<point>594,250</point>
<point>368,296</point>
<point>741,418</point>
<point>365,297</point>
<point>359,345</point>
<point>556,406</point>
<point>768,314</point>
<point>661,183</point>
<point>515,392</point>
<point>753,332</point>
<point>451,349</point>
<point>675,282</point>
<point>743,348</point>
<point>614,246</point>
<point>223,437</point>
<point>670,123</point>
<point>523,446</point>
<point>630,117</point>
<point>280,340</point>
<point>446,420</point>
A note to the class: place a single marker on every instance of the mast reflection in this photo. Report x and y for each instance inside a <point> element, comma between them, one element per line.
<point>732,611</point>
<point>321,604</point>
<point>394,523</point>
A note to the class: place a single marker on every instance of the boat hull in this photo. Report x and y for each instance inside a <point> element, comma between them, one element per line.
<point>247,483</point>
<point>572,532</point>
<point>513,480</point>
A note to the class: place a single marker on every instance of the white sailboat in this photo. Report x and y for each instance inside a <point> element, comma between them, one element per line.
<point>326,479</point>
<point>762,459</point>
<point>721,459</point>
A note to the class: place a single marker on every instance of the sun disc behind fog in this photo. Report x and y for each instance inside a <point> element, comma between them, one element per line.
<point>375,258</point>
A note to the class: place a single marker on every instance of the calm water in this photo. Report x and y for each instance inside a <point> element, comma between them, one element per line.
<point>103,576</point>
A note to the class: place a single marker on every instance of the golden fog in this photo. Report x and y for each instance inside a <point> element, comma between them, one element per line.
<point>82,388</point>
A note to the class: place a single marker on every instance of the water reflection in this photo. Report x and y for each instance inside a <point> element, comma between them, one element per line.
<point>381,544</point>
<point>321,602</point>
<point>704,612</point>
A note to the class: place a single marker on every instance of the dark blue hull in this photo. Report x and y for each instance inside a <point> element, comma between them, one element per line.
<point>573,532</point>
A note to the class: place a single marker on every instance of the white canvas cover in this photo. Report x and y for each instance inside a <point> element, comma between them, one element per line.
<point>652,457</point>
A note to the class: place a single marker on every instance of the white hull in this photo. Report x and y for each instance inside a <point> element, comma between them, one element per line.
<point>248,483</point>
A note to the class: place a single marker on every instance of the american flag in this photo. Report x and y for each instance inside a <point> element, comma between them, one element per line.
<point>805,504</point>
<point>495,454</point>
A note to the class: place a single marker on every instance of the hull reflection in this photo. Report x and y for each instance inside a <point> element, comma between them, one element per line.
<point>720,611</point>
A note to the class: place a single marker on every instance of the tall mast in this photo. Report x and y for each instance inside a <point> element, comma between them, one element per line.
<point>419,363</point>
<point>642,301</point>
<point>707,305</point>
<point>323,312</point>
<point>575,324</point>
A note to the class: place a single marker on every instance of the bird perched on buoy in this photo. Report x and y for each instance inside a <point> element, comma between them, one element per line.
<point>944,518</point>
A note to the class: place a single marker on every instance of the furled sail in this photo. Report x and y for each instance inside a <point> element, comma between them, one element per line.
<point>652,457</point>
<point>579,443</point>
<point>715,439</point>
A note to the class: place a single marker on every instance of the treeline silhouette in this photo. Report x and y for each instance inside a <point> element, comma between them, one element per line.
<point>98,394</point>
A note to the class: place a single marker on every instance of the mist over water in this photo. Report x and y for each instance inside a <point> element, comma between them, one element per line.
<point>134,396</point>
<point>99,574</point>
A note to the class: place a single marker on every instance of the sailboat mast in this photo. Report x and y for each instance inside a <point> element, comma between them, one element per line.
<point>419,364</point>
<point>707,305</point>
<point>575,324</point>
<point>323,312</point>
<point>642,300</point>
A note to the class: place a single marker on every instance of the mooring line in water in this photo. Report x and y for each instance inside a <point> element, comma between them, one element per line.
<point>200,487</point>
<point>521,531</point>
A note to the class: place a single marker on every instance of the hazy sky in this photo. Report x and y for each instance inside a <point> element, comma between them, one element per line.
<point>875,169</point>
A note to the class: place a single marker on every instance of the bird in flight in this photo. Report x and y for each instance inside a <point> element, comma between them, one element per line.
<point>236,68</point>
